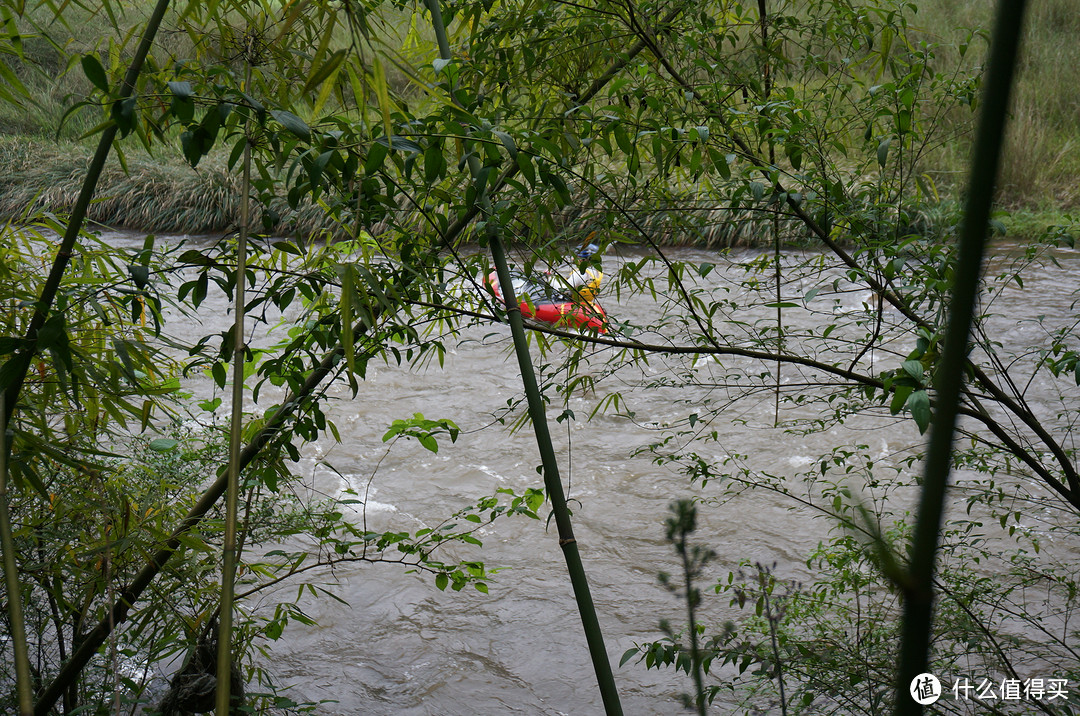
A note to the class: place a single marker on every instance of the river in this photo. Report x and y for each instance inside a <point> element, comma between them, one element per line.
<point>403,647</point>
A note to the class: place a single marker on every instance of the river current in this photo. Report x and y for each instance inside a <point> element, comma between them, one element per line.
<point>402,647</point>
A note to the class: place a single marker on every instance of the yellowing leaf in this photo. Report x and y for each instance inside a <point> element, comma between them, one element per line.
<point>382,94</point>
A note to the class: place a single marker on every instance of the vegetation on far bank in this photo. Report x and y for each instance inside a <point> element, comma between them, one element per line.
<point>43,159</point>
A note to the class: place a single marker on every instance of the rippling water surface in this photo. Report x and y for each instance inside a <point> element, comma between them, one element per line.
<point>403,647</point>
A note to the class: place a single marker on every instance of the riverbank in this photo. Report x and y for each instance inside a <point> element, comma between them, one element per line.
<point>165,195</point>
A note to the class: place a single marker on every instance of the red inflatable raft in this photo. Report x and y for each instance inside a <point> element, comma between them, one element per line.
<point>547,303</point>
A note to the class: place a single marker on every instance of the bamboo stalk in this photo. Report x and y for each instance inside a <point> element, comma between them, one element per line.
<point>537,412</point>
<point>23,685</point>
<point>918,589</point>
<point>236,427</point>
<point>763,20</point>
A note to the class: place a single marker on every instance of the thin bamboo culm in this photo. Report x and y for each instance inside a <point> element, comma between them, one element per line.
<point>236,427</point>
<point>23,685</point>
<point>552,480</point>
<point>918,590</point>
<point>766,71</point>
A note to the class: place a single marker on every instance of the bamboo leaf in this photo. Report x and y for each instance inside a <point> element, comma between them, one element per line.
<point>326,72</point>
<point>405,145</point>
<point>291,122</point>
<point>94,72</point>
<point>345,271</point>
<point>12,80</point>
<point>507,141</point>
<point>382,95</point>
<point>883,151</point>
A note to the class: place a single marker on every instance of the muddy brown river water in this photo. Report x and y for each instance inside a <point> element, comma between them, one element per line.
<point>402,647</point>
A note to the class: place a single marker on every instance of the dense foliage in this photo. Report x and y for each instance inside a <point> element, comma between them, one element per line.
<point>812,122</point>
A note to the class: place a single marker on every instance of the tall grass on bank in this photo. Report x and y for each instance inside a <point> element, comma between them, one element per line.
<point>153,195</point>
<point>1041,162</point>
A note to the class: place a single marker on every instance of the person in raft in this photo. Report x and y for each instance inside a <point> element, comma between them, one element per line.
<point>584,275</point>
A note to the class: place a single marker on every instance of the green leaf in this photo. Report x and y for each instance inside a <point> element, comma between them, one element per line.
<point>919,405</point>
<point>441,580</point>
<point>883,151</point>
<point>525,164</point>
<point>623,139</point>
<point>795,154</point>
<point>291,122</point>
<point>347,274</point>
<point>181,89</point>
<point>217,371</point>
<point>95,72</point>
<point>198,141</point>
<point>375,156</point>
<point>400,143</point>
<point>913,368</point>
<point>720,162</point>
<point>182,106</point>
<point>899,399</point>
<point>13,80</point>
<point>274,630</point>
<point>434,164</point>
<point>903,121</point>
<point>11,368</point>
<point>382,94</point>
<point>210,405</point>
<point>123,115</point>
<point>507,141</point>
<point>140,275</point>
<point>53,333</point>
<point>163,444</point>
<point>325,70</point>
